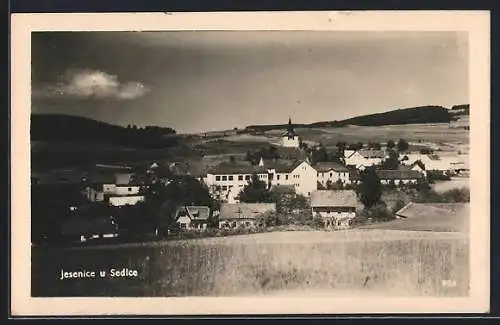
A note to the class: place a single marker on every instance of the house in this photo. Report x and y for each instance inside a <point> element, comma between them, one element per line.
<point>118,189</point>
<point>234,215</point>
<point>336,208</point>
<point>443,163</point>
<point>193,217</point>
<point>228,179</point>
<point>434,216</point>
<point>331,172</point>
<point>290,139</point>
<point>396,177</point>
<point>364,157</point>
<point>399,176</point>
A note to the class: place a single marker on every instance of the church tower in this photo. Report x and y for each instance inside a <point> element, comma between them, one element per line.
<point>290,139</point>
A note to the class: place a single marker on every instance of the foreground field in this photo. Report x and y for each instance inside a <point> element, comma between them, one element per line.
<point>357,261</point>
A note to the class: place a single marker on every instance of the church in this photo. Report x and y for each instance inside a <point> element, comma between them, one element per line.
<point>290,139</point>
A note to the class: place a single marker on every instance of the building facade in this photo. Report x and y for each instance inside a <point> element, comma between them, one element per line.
<point>247,215</point>
<point>227,180</point>
<point>364,158</point>
<point>335,208</point>
<point>331,172</point>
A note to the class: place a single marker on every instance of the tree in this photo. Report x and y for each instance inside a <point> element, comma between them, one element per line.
<point>341,146</point>
<point>402,145</point>
<point>425,151</point>
<point>370,189</point>
<point>255,191</point>
<point>392,162</point>
<point>319,154</point>
<point>355,146</point>
<point>374,145</point>
<point>390,144</point>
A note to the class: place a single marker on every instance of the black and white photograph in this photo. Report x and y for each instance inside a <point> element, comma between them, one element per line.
<point>254,163</point>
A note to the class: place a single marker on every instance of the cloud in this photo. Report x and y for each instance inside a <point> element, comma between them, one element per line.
<point>91,84</point>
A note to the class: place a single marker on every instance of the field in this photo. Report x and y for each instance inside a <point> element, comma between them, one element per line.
<point>358,261</point>
<point>455,182</point>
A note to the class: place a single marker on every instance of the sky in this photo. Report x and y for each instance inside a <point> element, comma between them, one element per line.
<point>198,81</point>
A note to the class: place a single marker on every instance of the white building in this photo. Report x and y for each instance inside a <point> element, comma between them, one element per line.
<point>290,139</point>
<point>228,179</point>
<point>441,163</point>
<point>336,208</point>
<point>118,190</point>
<point>364,157</point>
<point>331,171</point>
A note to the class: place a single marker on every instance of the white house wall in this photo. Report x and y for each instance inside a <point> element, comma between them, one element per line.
<point>125,200</point>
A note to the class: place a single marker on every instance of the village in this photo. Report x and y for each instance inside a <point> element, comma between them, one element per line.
<point>307,188</point>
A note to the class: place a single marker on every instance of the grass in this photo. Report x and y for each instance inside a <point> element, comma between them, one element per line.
<point>399,262</point>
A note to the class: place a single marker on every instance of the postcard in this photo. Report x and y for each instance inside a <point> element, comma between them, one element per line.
<point>250,163</point>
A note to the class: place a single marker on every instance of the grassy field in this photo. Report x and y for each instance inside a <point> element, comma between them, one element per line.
<point>367,261</point>
<point>457,182</point>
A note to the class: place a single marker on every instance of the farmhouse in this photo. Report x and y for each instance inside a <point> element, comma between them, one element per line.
<point>443,163</point>
<point>234,215</point>
<point>228,179</point>
<point>331,172</point>
<point>119,189</point>
<point>193,217</point>
<point>396,177</point>
<point>336,208</point>
<point>364,157</point>
<point>399,177</point>
<point>290,139</point>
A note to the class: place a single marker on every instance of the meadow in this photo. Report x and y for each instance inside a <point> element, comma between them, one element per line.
<point>411,263</point>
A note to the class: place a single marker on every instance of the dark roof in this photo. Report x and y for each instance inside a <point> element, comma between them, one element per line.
<point>282,166</point>
<point>327,166</point>
<point>236,168</point>
<point>398,174</point>
<point>196,212</point>
<point>245,210</point>
<point>339,198</point>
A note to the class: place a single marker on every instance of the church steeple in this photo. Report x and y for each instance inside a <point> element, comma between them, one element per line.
<point>289,121</point>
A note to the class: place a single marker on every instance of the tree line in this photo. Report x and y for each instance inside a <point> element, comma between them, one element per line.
<point>65,128</point>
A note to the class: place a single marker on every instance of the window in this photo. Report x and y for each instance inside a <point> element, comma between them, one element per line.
<point>130,189</point>
<point>241,186</point>
<point>217,178</point>
<point>247,177</point>
<point>286,177</point>
<point>230,186</point>
<point>278,184</point>
<point>224,178</point>
<point>231,177</point>
<point>331,174</point>
<point>240,177</point>
<point>224,188</point>
<point>318,175</point>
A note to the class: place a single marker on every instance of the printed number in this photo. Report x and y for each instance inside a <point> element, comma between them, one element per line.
<point>448,283</point>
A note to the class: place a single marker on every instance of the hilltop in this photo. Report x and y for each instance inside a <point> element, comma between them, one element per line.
<point>68,128</point>
<point>413,115</point>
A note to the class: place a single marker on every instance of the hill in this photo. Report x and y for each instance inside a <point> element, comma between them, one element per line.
<point>67,128</point>
<point>413,115</point>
